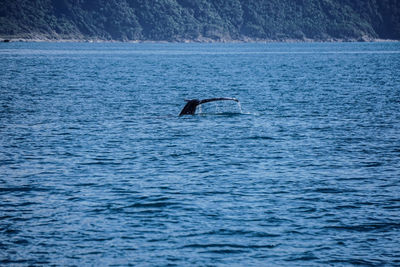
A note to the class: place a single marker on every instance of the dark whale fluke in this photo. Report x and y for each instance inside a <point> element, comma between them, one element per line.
<point>190,107</point>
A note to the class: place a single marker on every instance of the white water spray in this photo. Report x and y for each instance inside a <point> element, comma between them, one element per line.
<point>218,108</point>
<point>240,106</point>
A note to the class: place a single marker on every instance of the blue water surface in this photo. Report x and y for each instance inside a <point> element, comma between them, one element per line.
<point>96,168</point>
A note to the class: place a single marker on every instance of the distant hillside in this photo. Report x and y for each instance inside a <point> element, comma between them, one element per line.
<point>200,20</point>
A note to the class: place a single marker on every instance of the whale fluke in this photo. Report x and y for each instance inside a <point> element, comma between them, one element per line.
<point>191,105</point>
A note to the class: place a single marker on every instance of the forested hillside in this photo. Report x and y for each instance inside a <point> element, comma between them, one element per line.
<point>200,20</point>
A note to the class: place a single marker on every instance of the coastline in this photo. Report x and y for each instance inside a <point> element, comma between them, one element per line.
<point>81,39</point>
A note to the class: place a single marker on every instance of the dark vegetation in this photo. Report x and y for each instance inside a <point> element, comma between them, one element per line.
<point>200,20</point>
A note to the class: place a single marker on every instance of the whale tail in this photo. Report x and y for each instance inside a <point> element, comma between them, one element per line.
<point>191,105</point>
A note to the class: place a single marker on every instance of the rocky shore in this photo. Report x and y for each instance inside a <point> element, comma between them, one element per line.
<point>44,38</point>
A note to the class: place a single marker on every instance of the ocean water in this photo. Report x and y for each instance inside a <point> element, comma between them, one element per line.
<point>98,169</point>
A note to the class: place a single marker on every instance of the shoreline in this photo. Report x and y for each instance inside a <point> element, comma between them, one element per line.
<point>13,39</point>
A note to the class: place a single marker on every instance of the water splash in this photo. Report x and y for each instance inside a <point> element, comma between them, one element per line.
<point>240,106</point>
<point>218,109</point>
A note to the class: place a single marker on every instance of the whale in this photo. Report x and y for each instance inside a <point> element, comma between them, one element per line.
<point>191,104</point>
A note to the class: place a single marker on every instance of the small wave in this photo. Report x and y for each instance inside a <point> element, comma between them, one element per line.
<point>343,207</point>
<point>98,239</point>
<point>361,262</point>
<point>21,242</point>
<point>260,137</point>
<point>230,232</point>
<point>306,256</point>
<point>100,162</point>
<point>23,204</point>
<point>23,261</point>
<point>372,164</point>
<point>21,189</point>
<point>328,190</point>
<point>225,114</point>
<point>225,251</point>
<point>228,245</point>
<point>380,227</point>
<point>86,184</point>
<point>152,205</point>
